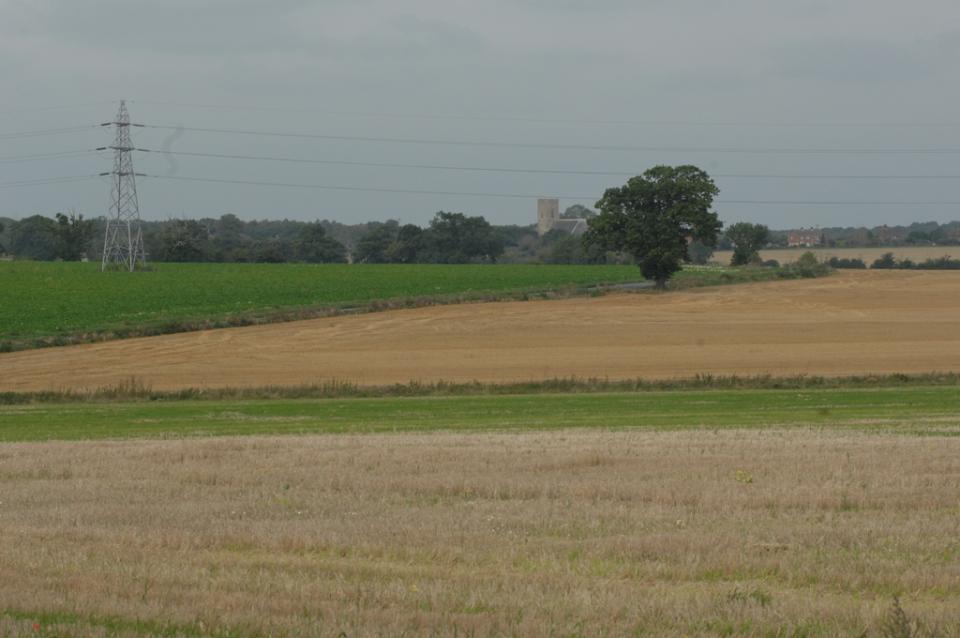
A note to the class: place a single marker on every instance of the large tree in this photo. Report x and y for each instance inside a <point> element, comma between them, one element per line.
<point>34,237</point>
<point>374,246</point>
<point>314,247</point>
<point>408,245</point>
<point>654,216</point>
<point>184,240</point>
<point>73,235</point>
<point>747,240</point>
<point>455,238</point>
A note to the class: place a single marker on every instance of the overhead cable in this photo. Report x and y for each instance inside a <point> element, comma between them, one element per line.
<point>539,171</point>
<point>579,147</point>
<point>373,189</point>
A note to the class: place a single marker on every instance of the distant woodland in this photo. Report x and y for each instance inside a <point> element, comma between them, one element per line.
<point>448,238</point>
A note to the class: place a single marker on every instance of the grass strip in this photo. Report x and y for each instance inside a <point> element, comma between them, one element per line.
<point>912,410</point>
<point>133,390</point>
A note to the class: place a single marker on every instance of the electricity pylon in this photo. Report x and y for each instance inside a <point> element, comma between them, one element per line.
<point>123,242</point>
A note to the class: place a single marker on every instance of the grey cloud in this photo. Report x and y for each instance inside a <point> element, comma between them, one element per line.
<point>848,61</point>
<point>542,60</point>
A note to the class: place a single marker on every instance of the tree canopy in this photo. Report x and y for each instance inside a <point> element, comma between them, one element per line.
<point>747,240</point>
<point>314,247</point>
<point>73,234</point>
<point>654,216</point>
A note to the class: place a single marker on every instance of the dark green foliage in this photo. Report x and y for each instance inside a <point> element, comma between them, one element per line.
<point>34,237</point>
<point>454,238</point>
<point>408,245</point>
<point>73,235</point>
<point>699,253</point>
<point>654,216</point>
<point>807,266</point>
<point>747,240</point>
<point>374,247</point>
<point>886,261</point>
<point>230,242</point>
<point>184,240</point>
<point>844,262</point>
<point>569,249</point>
<point>940,263</point>
<point>273,251</point>
<point>314,247</point>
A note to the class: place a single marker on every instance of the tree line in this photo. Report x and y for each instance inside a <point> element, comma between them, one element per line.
<point>449,238</point>
<point>657,220</point>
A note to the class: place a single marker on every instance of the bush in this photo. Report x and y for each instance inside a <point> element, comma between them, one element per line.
<point>939,263</point>
<point>807,266</point>
<point>886,261</point>
<point>843,262</point>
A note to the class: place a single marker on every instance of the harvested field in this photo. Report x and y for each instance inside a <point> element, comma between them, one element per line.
<point>850,323</point>
<point>868,255</point>
<point>786,533</point>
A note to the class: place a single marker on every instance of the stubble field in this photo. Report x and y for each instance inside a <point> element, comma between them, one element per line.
<point>867,254</point>
<point>574,533</point>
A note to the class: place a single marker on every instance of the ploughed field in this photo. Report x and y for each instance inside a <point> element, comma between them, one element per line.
<point>777,532</point>
<point>854,322</point>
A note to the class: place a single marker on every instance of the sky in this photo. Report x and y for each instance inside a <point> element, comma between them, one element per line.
<point>571,96</point>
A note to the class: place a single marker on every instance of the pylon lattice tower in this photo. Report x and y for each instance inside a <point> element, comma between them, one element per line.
<point>123,242</point>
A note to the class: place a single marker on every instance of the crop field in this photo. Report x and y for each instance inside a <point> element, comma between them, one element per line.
<point>851,323</point>
<point>868,255</point>
<point>47,300</point>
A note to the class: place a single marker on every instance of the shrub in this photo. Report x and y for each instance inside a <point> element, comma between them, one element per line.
<point>807,266</point>
<point>844,262</point>
<point>886,261</point>
<point>939,263</point>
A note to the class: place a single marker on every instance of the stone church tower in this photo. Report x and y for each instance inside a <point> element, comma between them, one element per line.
<point>548,214</point>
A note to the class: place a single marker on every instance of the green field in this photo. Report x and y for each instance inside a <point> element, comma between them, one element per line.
<point>923,410</point>
<point>45,300</point>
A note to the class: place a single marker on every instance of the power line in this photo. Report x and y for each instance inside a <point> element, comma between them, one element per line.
<point>536,120</point>
<point>538,171</point>
<point>42,132</point>
<point>373,189</point>
<point>41,156</point>
<point>578,147</point>
<point>47,180</point>
<point>61,107</point>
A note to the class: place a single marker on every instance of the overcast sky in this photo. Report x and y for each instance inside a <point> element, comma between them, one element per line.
<point>668,74</point>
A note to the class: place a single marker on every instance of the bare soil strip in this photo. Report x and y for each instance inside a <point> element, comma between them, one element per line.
<point>848,324</point>
<point>575,533</point>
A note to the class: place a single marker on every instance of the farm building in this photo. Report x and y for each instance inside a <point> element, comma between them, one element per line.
<point>805,237</point>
